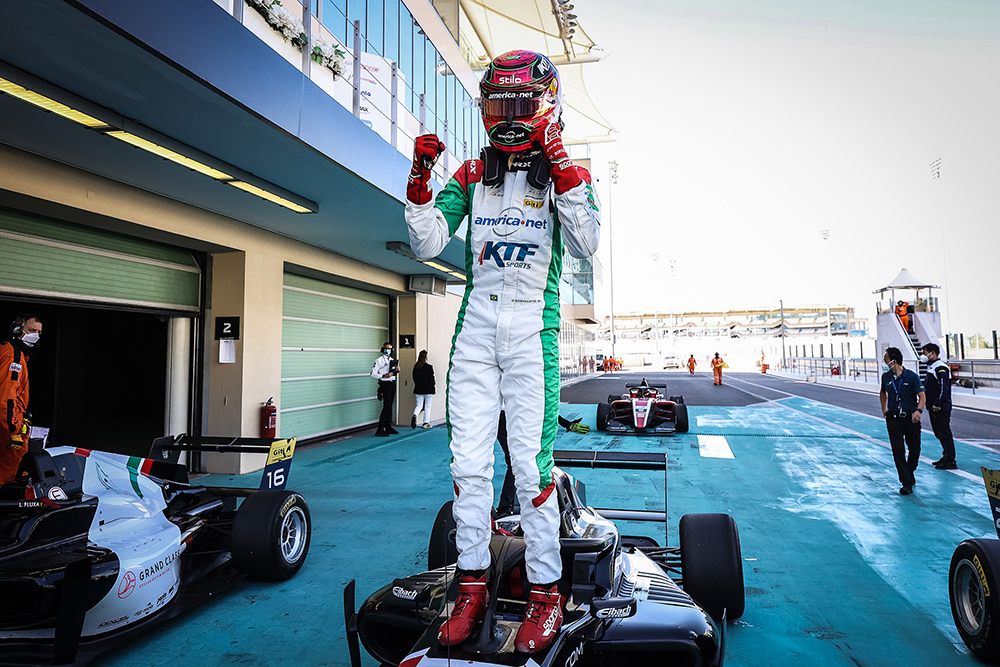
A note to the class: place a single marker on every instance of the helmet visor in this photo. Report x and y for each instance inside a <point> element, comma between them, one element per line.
<point>519,108</point>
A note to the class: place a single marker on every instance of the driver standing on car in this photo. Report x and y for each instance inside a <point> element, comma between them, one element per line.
<point>15,423</point>
<point>526,201</point>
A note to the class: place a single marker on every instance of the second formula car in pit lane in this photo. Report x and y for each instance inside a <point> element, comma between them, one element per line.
<point>643,409</point>
<point>95,547</point>
<point>629,601</point>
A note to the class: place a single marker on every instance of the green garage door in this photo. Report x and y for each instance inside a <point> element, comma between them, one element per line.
<point>330,336</point>
<point>48,258</point>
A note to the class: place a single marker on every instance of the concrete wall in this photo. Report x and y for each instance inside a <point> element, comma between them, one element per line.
<point>432,320</point>
<point>247,264</point>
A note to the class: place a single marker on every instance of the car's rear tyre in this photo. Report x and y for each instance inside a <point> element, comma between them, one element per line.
<point>677,399</point>
<point>681,418</point>
<point>271,535</point>
<point>712,564</point>
<point>614,397</point>
<point>442,549</point>
<point>603,413</point>
<point>973,591</point>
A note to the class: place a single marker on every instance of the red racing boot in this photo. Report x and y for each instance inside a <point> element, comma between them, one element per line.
<point>542,620</point>
<point>470,608</point>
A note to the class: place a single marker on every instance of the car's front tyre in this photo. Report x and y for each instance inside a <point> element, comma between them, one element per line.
<point>271,535</point>
<point>681,418</point>
<point>973,591</point>
<point>712,564</point>
<point>603,413</point>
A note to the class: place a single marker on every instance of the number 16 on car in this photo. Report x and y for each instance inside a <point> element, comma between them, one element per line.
<point>279,460</point>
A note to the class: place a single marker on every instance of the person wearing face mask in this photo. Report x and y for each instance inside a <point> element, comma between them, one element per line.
<point>938,384</point>
<point>15,420</point>
<point>902,397</point>
<point>385,369</point>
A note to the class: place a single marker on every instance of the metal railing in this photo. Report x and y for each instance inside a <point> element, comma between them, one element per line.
<point>966,373</point>
<point>410,108</point>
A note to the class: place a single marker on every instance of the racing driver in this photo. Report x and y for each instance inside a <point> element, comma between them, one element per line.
<point>526,202</point>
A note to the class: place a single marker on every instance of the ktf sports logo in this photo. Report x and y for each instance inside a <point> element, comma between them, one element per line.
<point>507,254</point>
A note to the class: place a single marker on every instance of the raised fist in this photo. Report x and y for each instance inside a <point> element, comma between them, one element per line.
<point>426,150</point>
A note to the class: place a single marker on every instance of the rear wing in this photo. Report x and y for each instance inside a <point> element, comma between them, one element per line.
<point>992,480</point>
<point>279,454</point>
<point>611,460</point>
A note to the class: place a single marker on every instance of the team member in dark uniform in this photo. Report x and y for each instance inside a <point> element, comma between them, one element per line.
<point>902,397</point>
<point>938,385</point>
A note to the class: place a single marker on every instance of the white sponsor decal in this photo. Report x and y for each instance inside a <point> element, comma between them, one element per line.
<point>404,593</point>
<point>15,367</point>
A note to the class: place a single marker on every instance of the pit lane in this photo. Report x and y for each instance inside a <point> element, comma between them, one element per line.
<point>839,569</point>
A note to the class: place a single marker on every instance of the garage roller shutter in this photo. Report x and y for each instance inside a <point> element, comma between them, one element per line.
<point>80,263</point>
<point>330,336</point>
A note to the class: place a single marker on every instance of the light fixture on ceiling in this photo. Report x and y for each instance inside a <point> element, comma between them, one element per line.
<point>42,102</point>
<point>406,251</point>
<point>269,196</point>
<point>41,94</point>
<point>168,154</point>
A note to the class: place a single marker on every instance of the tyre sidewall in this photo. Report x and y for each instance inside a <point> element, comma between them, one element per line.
<point>712,564</point>
<point>257,535</point>
<point>986,643</point>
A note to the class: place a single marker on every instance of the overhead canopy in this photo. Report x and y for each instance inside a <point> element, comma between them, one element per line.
<point>905,280</point>
<point>498,26</point>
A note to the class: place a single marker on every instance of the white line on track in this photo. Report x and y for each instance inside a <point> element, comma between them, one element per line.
<point>960,473</point>
<point>715,447</point>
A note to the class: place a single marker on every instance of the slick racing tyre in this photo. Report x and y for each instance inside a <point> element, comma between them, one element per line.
<point>271,535</point>
<point>442,549</point>
<point>681,418</point>
<point>614,397</point>
<point>677,399</point>
<point>603,413</point>
<point>973,591</point>
<point>712,564</point>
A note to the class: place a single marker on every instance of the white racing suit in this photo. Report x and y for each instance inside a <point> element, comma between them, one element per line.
<point>506,348</point>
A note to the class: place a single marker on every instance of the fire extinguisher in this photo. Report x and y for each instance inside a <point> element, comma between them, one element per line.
<point>268,419</point>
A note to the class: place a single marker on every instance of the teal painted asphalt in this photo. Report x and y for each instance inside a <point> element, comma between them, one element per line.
<point>839,569</point>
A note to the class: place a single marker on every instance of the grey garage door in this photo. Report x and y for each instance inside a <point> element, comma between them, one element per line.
<point>48,258</point>
<point>330,336</point>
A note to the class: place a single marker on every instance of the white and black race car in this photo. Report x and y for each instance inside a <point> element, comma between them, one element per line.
<point>95,547</point>
<point>630,601</point>
<point>643,409</point>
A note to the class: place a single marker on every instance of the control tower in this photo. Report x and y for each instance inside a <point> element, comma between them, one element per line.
<point>908,317</point>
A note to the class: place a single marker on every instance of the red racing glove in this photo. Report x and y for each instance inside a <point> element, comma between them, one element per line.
<point>426,150</point>
<point>564,174</point>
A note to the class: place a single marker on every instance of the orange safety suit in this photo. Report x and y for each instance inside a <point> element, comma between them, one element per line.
<point>691,364</point>
<point>13,403</point>
<point>904,317</point>
<point>717,364</point>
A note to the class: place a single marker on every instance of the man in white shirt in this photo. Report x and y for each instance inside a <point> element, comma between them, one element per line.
<point>385,369</point>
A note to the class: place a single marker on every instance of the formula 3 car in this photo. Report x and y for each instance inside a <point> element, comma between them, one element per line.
<point>629,601</point>
<point>643,409</point>
<point>95,547</point>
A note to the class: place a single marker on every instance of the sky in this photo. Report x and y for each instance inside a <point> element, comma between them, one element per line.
<point>746,130</point>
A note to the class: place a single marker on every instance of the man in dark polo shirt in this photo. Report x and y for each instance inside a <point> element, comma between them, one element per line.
<point>938,385</point>
<point>902,397</point>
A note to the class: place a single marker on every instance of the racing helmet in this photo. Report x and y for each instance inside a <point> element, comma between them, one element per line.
<point>520,92</point>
